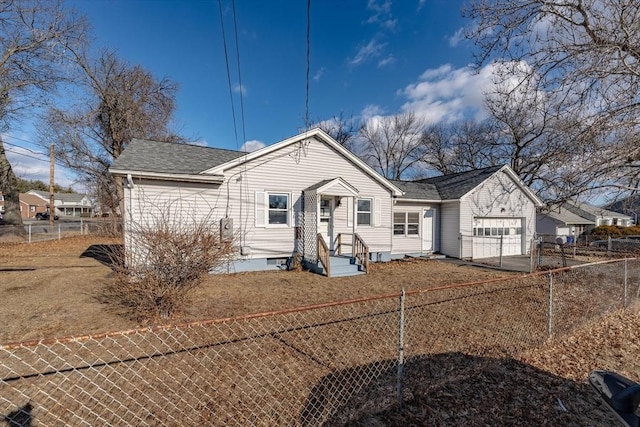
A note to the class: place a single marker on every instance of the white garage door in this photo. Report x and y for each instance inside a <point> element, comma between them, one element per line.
<point>490,233</point>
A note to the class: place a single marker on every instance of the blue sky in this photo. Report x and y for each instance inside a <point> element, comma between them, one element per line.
<point>367,58</point>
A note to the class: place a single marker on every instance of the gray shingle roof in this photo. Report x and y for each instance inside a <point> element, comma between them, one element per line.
<point>169,157</point>
<point>64,197</point>
<point>318,184</point>
<point>565,216</point>
<point>456,185</point>
<point>417,190</point>
<point>445,187</point>
<point>596,211</point>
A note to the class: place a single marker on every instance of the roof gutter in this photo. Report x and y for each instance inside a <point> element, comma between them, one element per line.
<point>402,199</point>
<point>175,177</point>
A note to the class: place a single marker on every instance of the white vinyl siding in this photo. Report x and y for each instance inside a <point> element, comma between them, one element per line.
<point>291,170</point>
<point>412,244</point>
<point>497,197</point>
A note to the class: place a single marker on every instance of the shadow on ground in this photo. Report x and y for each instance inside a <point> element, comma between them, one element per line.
<point>454,389</point>
<point>108,255</point>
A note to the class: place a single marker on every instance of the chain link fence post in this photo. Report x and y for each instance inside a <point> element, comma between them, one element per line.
<point>550,305</point>
<point>400,349</point>
<point>624,304</point>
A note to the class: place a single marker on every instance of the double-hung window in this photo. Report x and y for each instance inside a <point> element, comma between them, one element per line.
<point>406,223</point>
<point>364,211</point>
<point>278,209</point>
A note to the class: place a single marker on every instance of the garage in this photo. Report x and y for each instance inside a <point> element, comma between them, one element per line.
<point>490,233</point>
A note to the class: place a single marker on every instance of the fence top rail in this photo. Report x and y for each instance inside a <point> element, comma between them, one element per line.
<point>251,316</point>
<point>577,266</point>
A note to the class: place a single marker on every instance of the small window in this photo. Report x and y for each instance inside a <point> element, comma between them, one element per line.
<point>398,223</point>
<point>413,223</point>
<point>278,209</point>
<point>406,223</point>
<point>364,211</point>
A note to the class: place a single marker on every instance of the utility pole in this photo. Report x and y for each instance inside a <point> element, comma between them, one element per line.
<point>52,208</point>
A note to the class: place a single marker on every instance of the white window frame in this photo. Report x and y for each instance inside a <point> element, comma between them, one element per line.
<point>405,225</point>
<point>370,212</point>
<point>286,210</point>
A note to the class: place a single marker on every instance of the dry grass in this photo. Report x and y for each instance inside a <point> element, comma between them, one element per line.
<point>56,288</point>
<point>55,291</point>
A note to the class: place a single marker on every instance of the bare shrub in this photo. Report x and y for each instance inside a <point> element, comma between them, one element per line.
<point>166,256</point>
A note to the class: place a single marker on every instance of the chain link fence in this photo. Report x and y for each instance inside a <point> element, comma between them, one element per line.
<point>42,230</point>
<point>318,365</point>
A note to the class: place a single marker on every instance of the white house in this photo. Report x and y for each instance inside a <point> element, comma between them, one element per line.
<point>556,220</point>
<point>68,204</point>
<point>311,196</point>
<point>599,215</point>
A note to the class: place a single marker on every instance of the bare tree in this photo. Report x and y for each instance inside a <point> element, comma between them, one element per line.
<point>458,147</point>
<point>585,56</point>
<point>119,102</point>
<point>34,37</point>
<point>391,144</point>
<point>343,129</point>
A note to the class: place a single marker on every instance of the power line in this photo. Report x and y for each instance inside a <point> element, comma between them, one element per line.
<point>226,60</point>
<point>8,150</point>
<point>24,148</point>
<point>306,111</point>
<point>235,27</point>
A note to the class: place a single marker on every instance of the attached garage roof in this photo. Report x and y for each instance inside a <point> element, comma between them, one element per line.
<point>456,185</point>
<point>446,187</point>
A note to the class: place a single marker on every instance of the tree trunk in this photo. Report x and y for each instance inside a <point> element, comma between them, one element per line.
<point>9,189</point>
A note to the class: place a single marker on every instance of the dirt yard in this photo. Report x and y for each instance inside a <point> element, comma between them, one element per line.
<point>54,289</point>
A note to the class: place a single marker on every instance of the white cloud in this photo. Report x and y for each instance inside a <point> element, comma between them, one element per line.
<point>388,60</point>
<point>381,11</point>
<point>318,75</point>
<point>242,89</point>
<point>34,166</point>
<point>252,145</point>
<point>389,24</point>
<point>371,50</point>
<point>421,4</point>
<point>371,111</point>
<point>456,38</point>
<point>448,94</point>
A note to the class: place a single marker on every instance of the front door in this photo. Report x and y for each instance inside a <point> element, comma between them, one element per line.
<point>325,225</point>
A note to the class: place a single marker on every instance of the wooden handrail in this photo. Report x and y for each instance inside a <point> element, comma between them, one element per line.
<point>361,251</point>
<point>323,254</point>
<point>340,242</point>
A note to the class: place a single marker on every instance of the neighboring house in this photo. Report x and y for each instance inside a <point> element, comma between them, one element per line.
<point>291,196</point>
<point>629,205</point>
<point>67,204</point>
<point>557,220</point>
<point>599,215</point>
<point>30,205</point>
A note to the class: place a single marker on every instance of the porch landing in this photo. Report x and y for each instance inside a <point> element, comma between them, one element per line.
<point>340,266</point>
